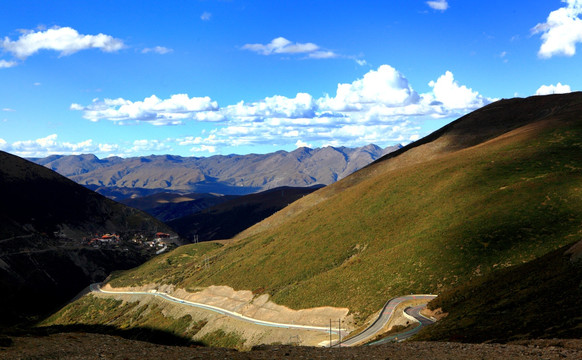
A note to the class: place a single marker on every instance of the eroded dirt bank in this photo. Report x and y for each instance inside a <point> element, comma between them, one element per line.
<point>246,303</point>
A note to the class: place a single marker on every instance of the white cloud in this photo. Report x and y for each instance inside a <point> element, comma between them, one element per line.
<point>281,45</point>
<point>158,50</point>
<point>140,146</point>
<point>8,110</point>
<point>108,148</point>
<point>300,144</point>
<point>561,31</point>
<point>302,106</point>
<point>385,86</point>
<point>7,64</point>
<point>153,110</point>
<point>454,96</point>
<point>441,5</point>
<point>553,89</point>
<point>205,16</point>
<point>380,107</point>
<point>66,40</point>
<point>49,145</point>
<point>322,55</point>
<point>204,148</point>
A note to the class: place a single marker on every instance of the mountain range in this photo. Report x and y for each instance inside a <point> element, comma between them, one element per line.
<point>120,178</point>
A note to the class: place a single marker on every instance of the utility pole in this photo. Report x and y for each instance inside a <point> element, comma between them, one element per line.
<point>339,331</point>
<point>330,333</point>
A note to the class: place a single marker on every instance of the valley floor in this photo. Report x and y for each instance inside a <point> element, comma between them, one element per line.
<point>95,346</point>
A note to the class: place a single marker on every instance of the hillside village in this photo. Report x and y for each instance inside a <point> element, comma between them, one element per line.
<point>155,242</point>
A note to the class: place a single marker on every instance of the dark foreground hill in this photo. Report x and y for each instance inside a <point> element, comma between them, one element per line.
<point>229,218</point>
<point>87,346</point>
<point>170,206</point>
<point>232,174</point>
<point>538,299</point>
<point>46,222</point>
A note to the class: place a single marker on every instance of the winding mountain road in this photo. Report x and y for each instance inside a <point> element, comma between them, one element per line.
<point>383,318</point>
<point>422,322</point>
<point>385,315</point>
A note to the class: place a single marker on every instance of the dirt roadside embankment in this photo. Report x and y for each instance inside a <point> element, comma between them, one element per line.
<point>246,303</point>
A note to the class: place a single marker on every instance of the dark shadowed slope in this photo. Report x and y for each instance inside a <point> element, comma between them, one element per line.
<point>171,206</point>
<point>227,219</point>
<point>43,220</point>
<point>539,299</point>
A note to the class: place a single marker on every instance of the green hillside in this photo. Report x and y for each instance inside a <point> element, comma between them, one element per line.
<point>498,187</point>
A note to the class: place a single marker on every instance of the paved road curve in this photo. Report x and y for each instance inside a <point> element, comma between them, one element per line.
<point>96,288</point>
<point>422,322</point>
<point>382,319</point>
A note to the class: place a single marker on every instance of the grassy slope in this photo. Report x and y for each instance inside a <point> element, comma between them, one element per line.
<point>433,216</point>
<point>539,299</point>
<point>168,268</point>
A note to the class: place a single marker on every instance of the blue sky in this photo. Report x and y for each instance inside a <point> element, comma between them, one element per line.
<point>199,78</point>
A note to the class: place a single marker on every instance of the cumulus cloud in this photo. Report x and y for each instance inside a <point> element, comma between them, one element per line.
<point>153,110</point>
<point>302,106</point>
<point>65,40</point>
<point>385,86</point>
<point>144,145</point>
<point>322,55</point>
<point>454,96</point>
<point>361,62</point>
<point>281,45</point>
<point>49,145</point>
<point>553,89</point>
<point>7,64</point>
<point>561,31</point>
<point>300,144</point>
<point>441,5</point>
<point>204,148</point>
<point>205,16</point>
<point>381,107</point>
<point>158,50</point>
